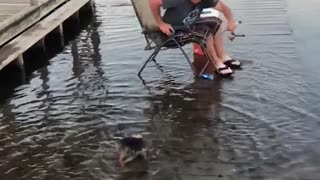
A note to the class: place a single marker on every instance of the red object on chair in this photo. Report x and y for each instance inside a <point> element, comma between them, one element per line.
<point>197,49</point>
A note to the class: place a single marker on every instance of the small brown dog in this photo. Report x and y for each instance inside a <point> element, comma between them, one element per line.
<point>130,148</point>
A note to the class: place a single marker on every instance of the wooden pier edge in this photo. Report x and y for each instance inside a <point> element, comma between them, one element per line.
<point>16,24</point>
<point>15,48</point>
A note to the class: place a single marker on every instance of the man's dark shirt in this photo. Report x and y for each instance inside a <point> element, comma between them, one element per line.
<point>178,10</point>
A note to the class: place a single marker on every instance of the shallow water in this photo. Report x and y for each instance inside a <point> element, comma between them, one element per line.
<point>263,124</point>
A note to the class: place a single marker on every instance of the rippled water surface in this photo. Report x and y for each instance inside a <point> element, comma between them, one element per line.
<point>263,124</point>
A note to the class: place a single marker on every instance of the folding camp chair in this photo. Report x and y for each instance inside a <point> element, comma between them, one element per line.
<point>157,41</point>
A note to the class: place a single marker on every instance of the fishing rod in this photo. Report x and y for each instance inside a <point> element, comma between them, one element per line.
<point>233,35</point>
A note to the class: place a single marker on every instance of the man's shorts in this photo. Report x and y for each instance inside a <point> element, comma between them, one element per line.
<point>211,22</point>
<point>200,31</point>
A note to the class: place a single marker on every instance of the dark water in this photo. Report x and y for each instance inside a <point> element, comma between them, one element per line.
<point>263,124</point>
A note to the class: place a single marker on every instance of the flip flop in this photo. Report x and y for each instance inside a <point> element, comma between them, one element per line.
<point>219,72</point>
<point>233,64</point>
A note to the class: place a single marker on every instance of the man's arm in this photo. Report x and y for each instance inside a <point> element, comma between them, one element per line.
<point>227,13</point>
<point>155,9</point>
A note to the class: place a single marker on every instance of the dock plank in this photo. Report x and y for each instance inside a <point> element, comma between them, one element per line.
<point>18,1</point>
<point>23,42</point>
<point>18,15</point>
<point>4,17</point>
<point>9,9</point>
<point>14,2</point>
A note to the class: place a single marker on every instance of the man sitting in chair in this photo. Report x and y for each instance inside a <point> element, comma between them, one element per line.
<point>177,11</point>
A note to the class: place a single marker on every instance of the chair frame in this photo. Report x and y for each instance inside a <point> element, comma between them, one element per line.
<point>173,37</point>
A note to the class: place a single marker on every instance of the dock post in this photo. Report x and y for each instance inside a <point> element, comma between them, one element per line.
<point>60,37</point>
<point>89,7</point>
<point>71,26</point>
<point>75,19</point>
<point>19,62</point>
<point>54,41</point>
<point>41,46</point>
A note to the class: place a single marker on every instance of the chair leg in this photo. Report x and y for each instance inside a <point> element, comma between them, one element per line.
<point>154,60</point>
<point>158,66</point>
<point>154,54</point>
<point>151,57</point>
<point>148,46</point>
<point>204,67</point>
<point>186,56</point>
<point>208,58</point>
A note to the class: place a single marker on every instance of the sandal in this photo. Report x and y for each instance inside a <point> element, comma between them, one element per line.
<point>233,64</point>
<point>220,70</point>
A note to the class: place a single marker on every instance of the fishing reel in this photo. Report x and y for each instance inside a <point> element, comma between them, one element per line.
<point>233,35</point>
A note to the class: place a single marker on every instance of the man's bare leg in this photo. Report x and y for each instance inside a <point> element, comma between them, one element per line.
<point>221,52</point>
<point>229,24</point>
<point>217,61</point>
<point>219,46</point>
<point>220,49</point>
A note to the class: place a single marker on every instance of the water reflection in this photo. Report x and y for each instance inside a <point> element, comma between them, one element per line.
<point>181,140</point>
<point>33,130</point>
<point>64,122</point>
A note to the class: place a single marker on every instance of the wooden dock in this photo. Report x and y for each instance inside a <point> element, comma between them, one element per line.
<point>26,23</point>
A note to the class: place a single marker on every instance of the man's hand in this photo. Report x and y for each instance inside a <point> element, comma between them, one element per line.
<point>166,28</point>
<point>232,25</point>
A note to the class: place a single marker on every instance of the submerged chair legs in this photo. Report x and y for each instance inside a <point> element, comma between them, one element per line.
<point>187,58</point>
<point>152,57</point>
<point>154,54</point>
<point>208,58</point>
<point>158,49</point>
